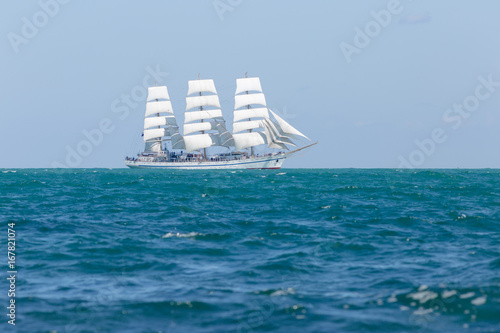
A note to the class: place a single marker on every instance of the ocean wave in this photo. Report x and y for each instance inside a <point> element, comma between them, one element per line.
<point>181,235</point>
<point>445,300</point>
<point>309,250</point>
<point>276,292</point>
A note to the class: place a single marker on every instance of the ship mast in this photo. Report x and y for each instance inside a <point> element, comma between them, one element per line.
<point>253,126</point>
<point>249,119</point>
<point>158,115</point>
<point>202,132</point>
<point>203,122</point>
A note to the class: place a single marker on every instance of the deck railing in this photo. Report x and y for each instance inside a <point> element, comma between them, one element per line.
<point>193,159</point>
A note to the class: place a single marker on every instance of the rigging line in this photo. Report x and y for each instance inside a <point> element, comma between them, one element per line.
<point>134,138</point>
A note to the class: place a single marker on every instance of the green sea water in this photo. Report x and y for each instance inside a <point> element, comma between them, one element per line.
<point>291,250</point>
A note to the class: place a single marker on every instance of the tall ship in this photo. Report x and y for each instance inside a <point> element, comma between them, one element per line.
<point>205,142</point>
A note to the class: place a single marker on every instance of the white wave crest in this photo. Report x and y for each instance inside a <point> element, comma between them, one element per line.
<point>179,235</point>
<point>423,296</point>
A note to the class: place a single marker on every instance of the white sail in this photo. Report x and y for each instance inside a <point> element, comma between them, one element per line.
<point>153,146</point>
<point>153,136</point>
<point>197,101</point>
<point>178,143</point>
<point>204,114</point>
<point>249,99</point>
<point>250,113</point>
<point>276,145</point>
<point>159,107</point>
<point>248,84</point>
<point>273,134</point>
<point>200,141</point>
<point>198,127</point>
<point>154,133</point>
<point>201,120</point>
<point>159,121</point>
<point>198,86</point>
<point>176,138</point>
<point>226,139</point>
<point>286,127</point>
<point>270,142</point>
<point>277,129</point>
<point>246,125</point>
<point>160,92</point>
<point>277,132</point>
<point>245,140</point>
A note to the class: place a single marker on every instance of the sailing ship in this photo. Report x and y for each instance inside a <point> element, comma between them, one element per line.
<point>254,125</point>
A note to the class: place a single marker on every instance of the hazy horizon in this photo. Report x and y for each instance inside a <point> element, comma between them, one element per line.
<point>384,84</point>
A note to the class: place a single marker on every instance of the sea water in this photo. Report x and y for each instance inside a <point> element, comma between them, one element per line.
<point>288,250</point>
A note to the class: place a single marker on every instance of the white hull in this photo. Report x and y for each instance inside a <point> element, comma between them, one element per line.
<point>265,162</point>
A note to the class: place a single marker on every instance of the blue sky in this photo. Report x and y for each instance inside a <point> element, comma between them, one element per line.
<point>390,103</point>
